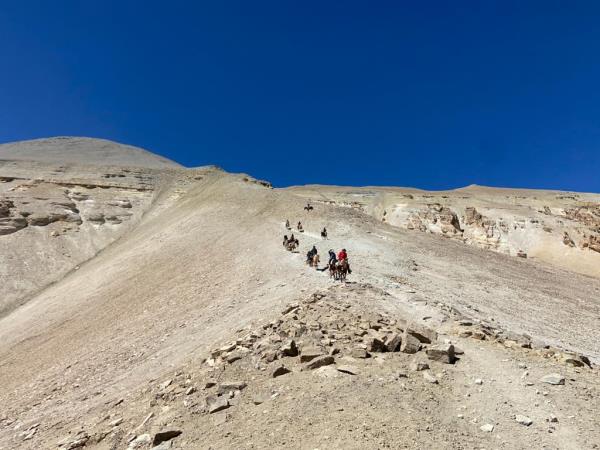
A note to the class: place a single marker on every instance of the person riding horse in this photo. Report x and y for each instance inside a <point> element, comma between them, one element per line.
<point>332,257</point>
<point>311,254</point>
<point>343,256</point>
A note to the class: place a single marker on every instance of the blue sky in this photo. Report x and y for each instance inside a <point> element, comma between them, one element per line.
<point>427,94</point>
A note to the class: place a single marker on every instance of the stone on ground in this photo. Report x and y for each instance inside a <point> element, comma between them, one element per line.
<point>553,378</point>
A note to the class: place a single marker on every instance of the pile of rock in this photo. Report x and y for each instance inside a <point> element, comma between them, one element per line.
<point>322,328</point>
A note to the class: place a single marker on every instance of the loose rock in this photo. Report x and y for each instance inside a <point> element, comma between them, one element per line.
<point>392,343</point>
<point>523,420</point>
<point>309,353</point>
<point>349,370</point>
<point>410,344</point>
<point>216,403</point>
<point>165,435</point>
<point>231,386</point>
<point>319,362</point>
<point>430,378</point>
<point>360,353</point>
<point>279,370</point>
<point>422,333</point>
<point>553,378</point>
<point>442,353</point>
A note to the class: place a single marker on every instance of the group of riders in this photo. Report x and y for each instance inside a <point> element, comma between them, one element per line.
<point>337,264</point>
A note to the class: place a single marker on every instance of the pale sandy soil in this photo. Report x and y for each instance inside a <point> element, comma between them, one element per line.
<point>204,259</point>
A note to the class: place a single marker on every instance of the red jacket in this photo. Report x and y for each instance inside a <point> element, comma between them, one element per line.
<point>342,255</point>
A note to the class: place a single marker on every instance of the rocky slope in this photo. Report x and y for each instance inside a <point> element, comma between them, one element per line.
<point>561,228</point>
<point>188,325</point>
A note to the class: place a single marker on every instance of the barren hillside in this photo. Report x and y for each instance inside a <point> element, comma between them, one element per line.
<point>68,150</point>
<point>178,320</point>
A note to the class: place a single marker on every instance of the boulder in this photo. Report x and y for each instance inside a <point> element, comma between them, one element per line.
<point>392,342</point>
<point>216,403</point>
<point>575,360</point>
<point>289,348</point>
<point>358,352</point>
<point>442,353</point>
<point>424,334</point>
<point>318,362</point>
<point>310,353</point>
<point>165,435</point>
<point>410,344</point>
<point>233,357</point>
<point>279,371</point>
<point>375,344</point>
<point>231,386</point>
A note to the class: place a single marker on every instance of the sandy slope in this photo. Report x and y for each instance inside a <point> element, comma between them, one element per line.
<point>205,260</point>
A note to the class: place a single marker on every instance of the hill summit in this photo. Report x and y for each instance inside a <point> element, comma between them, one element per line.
<point>83,151</point>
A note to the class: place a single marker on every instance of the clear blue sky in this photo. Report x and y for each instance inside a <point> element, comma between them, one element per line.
<point>426,94</point>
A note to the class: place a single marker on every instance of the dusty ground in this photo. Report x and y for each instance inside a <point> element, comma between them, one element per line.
<point>203,261</point>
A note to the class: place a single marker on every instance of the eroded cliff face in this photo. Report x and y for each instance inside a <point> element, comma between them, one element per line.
<point>54,217</point>
<point>556,227</point>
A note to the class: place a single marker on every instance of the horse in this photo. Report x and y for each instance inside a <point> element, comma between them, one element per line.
<point>333,273</point>
<point>315,261</point>
<point>292,244</point>
<point>342,269</point>
<point>308,207</point>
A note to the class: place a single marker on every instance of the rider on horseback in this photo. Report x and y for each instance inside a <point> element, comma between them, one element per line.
<point>311,254</point>
<point>332,257</point>
<point>342,255</point>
